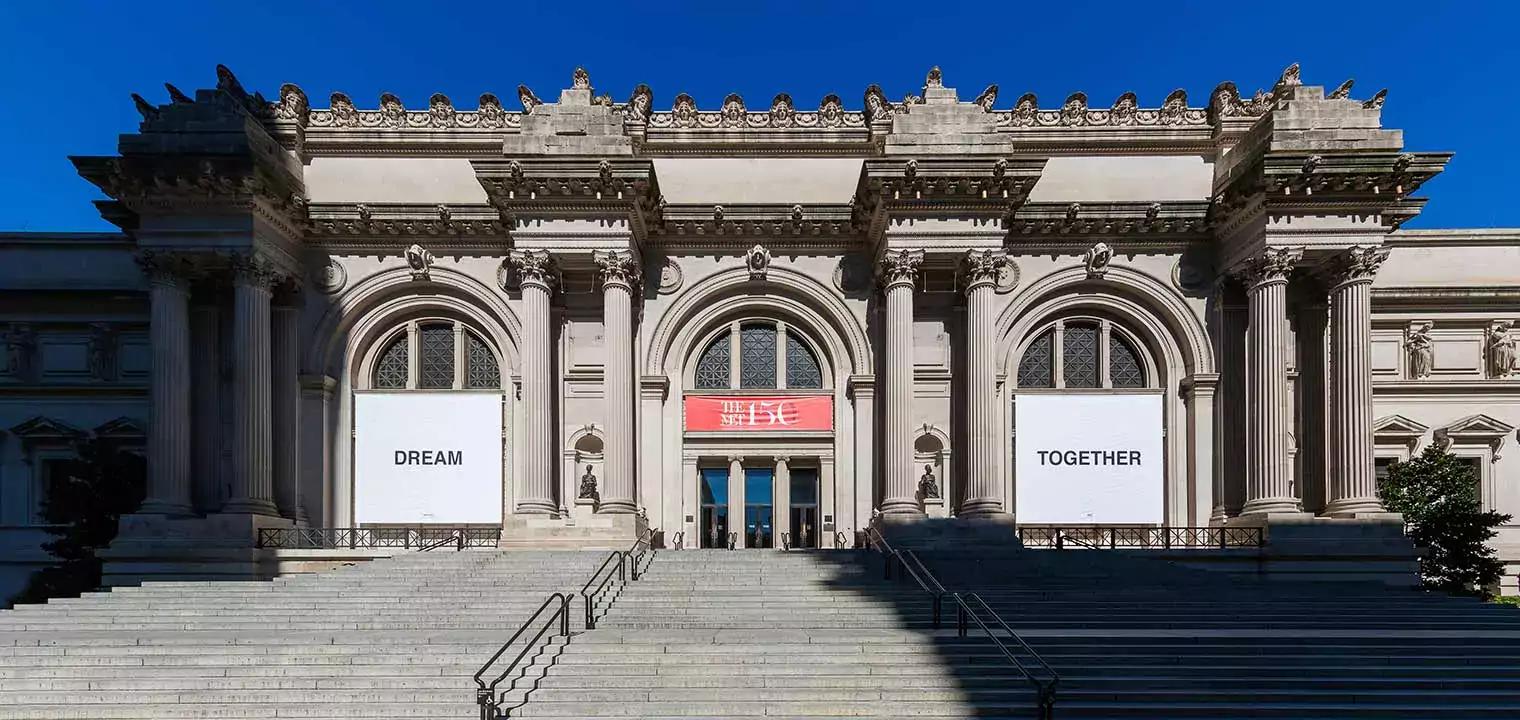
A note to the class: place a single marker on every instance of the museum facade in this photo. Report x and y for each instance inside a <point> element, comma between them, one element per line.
<point>757,327</point>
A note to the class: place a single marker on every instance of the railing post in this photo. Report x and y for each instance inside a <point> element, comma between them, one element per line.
<point>1166,539</point>
<point>1060,540</point>
<point>460,535</point>
<point>937,598</point>
<point>960,618</point>
<point>564,615</point>
<point>483,698</point>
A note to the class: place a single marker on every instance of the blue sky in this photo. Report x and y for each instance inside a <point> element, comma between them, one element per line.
<point>66,68</point>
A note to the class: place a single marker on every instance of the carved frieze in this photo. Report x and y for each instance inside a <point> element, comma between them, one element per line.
<point>392,115</point>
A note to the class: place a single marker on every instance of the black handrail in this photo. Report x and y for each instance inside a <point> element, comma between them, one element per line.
<point>1046,690</point>
<point>1164,537</point>
<point>786,541</point>
<point>921,575</point>
<point>733,539</point>
<point>485,694</point>
<point>840,539</point>
<point>457,538</point>
<point>678,540</point>
<point>590,596</point>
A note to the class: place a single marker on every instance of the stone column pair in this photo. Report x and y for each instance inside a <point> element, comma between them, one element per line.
<point>1352,486</point>
<point>537,273</point>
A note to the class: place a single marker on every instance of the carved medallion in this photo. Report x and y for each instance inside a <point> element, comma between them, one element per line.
<point>330,278</point>
<point>1007,277</point>
<point>670,277</point>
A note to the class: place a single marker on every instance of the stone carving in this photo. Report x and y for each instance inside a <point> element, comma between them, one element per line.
<point>147,110</point>
<point>901,266</point>
<point>878,107</point>
<point>343,112</point>
<point>733,112</point>
<point>758,260</point>
<point>293,104</point>
<point>392,112</point>
<point>1357,264</point>
<point>617,267</point>
<point>604,172</point>
<point>1097,259</point>
<point>228,83</point>
<point>1072,211</point>
<point>640,104</point>
<point>671,277</point>
<point>1124,109</point>
<point>20,342</point>
<point>580,79</point>
<point>1025,111</point>
<point>830,111</point>
<point>490,114</point>
<point>1421,348</point>
<point>1342,91</point>
<point>528,99</point>
<point>982,267</point>
<point>535,267</point>
<point>935,78</point>
<point>254,270</point>
<point>987,98</point>
<point>928,488</point>
<point>782,113</point>
<point>420,260</point>
<point>588,485</point>
<point>102,351</point>
<point>1272,265</point>
<point>1174,109</point>
<point>1289,78</point>
<point>178,97</point>
<point>684,112</point>
<point>1376,101</point>
<point>441,112</point>
<point>1007,277</point>
<point>1074,110</point>
<point>1501,349</point>
<point>331,277</point>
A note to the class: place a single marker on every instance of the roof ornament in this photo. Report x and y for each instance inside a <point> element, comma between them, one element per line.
<point>146,109</point>
<point>1074,110</point>
<point>228,82</point>
<point>1000,168</point>
<point>1123,111</point>
<point>580,79</point>
<point>1174,109</point>
<point>605,100</point>
<point>733,111</point>
<point>1342,91</point>
<point>910,169</point>
<point>528,99</point>
<point>444,214</point>
<point>783,114</point>
<point>515,168</point>
<point>1153,211</point>
<point>878,108</point>
<point>935,78</point>
<point>491,113</point>
<point>604,171</point>
<point>1072,210</point>
<point>441,111</point>
<point>1288,79</point>
<point>177,97</point>
<point>830,111</point>
<point>343,110</point>
<point>1376,101</point>
<point>797,213</point>
<point>684,112</point>
<point>293,104</point>
<point>392,112</point>
<point>987,98</point>
<point>1024,111</point>
<point>639,105</point>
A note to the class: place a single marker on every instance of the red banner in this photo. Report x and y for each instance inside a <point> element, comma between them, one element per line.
<point>757,413</point>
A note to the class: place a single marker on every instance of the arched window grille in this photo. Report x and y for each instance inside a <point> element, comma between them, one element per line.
<point>436,355</point>
<point>1080,353</point>
<point>770,356</point>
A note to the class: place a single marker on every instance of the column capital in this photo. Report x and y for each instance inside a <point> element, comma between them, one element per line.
<point>619,268</point>
<point>1268,267</point>
<point>535,267</point>
<point>168,269</point>
<point>900,267</point>
<point>254,270</point>
<point>781,459</point>
<point>1357,264</point>
<point>981,268</point>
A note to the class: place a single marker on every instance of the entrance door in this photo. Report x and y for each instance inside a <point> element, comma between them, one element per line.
<point>759,502</point>
<point>714,529</point>
<point>804,507</point>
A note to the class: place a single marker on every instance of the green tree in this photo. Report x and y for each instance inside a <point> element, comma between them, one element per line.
<point>1438,495</point>
<point>84,500</point>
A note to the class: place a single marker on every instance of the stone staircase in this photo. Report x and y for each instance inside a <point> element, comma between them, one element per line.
<point>389,638</point>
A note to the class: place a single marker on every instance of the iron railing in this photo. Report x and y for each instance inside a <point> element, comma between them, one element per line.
<point>407,538</point>
<point>619,564</point>
<point>1095,537</point>
<point>841,540</point>
<point>678,540</point>
<point>485,693</point>
<point>907,562</point>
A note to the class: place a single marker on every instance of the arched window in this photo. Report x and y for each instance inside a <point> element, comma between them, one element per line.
<point>1082,353</point>
<point>436,355</point>
<point>771,356</point>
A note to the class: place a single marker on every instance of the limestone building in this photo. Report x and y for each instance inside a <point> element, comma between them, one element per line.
<point>753,325</point>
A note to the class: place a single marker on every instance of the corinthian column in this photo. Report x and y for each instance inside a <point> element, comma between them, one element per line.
<point>285,403</point>
<point>899,271</point>
<point>1353,482</point>
<point>252,443</point>
<point>980,270</point>
<point>536,272</point>
<point>619,276</point>
<point>1268,485</point>
<point>169,418</point>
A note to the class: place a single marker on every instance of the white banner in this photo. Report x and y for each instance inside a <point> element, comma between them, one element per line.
<point>427,457</point>
<point>1088,459</point>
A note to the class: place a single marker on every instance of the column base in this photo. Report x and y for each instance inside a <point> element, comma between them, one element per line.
<point>902,506</point>
<point>1273,506</point>
<point>250,506</point>
<point>603,531</point>
<point>537,507</point>
<point>153,506</point>
<point>617,507</point>
<point>981,508</point>
<point>1354,508</point>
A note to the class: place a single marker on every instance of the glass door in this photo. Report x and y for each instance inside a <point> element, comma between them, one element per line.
<point>714,527</point>
<point>804,507</point>
<point>759,502</point>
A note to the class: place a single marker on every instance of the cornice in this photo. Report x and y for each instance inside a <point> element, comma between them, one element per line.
<point>1456,298</point>
<point>1458,237</point>
<point>1174,221</point>
<point>410,221</point>
<point>603,189</point>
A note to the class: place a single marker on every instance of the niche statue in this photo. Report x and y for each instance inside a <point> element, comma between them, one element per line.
<point>588,484</point>
<point>927,487</point>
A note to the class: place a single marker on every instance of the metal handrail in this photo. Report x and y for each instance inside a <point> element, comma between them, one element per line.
<point>1099,537</point>
<point>733,539</point>
<point>457,538</point>
<point>1045,689</point>
<point>892,556</point>
<point>678,539</point>
<point>485,694</point>
<point>786,541</point>
<point>589,596</point>
<point>840,539</point>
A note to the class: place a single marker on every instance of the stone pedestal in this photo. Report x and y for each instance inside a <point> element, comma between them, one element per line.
<point>602,531</point>
<point>219,546</point>
<point>1371,547</point>
<point>919,532</point>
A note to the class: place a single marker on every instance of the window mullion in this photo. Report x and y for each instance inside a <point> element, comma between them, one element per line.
<point>461,357</point>
<point>413,356</point>
<point>1104,381</point>
<point>734,348</point>
<point>1058,355</point>
<point>780,356</point>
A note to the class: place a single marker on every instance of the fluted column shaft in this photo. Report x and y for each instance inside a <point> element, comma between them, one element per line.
<point>983,496</point>
<point>619,276</point>
<point>169,418</point>
<point>1230,471</point>
<point>900,270</point>
<point>285,402</point>
<point>1353,480</point>
<point>1268,484</point>
<point>536,493</point>
<point>252,441</point>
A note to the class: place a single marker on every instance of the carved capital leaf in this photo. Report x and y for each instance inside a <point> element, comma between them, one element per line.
<point>901,267</point>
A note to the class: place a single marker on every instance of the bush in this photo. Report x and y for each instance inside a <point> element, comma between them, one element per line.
<point>1438,496</point>
<point>84,500</point>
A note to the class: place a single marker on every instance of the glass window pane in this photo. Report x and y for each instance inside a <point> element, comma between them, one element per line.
<point>1036,369</point>
<point>757,356</point>
<point>437,367</point>
<point>1124,363</point>
<point>714,486</point>
<point>1079,356</point>
<point>804,486</point>
<point>712,368</point>
<point>390,371</point>
<point>801,367</point>
<point>482,371</point>
<point>757,486</point>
